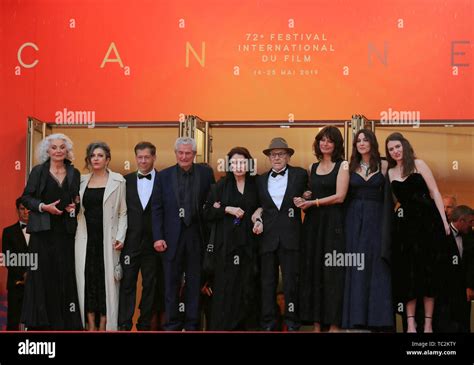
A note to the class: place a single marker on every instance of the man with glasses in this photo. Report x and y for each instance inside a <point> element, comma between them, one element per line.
<point>280,242</point>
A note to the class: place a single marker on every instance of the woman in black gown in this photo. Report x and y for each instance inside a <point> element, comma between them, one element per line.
<point>321,278</point>
<point>368,289</point>
<point>230,205</point>
<point>420,228</point>
<point>51,194</point>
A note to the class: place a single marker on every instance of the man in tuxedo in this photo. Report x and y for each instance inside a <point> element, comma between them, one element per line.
<point>15,240</point>
<point>138,253</point>
<point>453,304</point>
<point>179,233</point>
<point>280,242</point>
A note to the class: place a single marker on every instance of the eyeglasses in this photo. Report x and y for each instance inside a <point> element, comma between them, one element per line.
<point>277,154</point>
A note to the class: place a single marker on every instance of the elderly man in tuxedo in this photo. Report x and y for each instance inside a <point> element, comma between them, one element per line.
<point>280,241</point>
<point>179,233</point>
<point>15,240</point>
<point>453,304</point>
<point>138,253</point>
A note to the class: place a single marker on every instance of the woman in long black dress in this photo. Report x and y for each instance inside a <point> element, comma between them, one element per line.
<point>321,276</point>
<point>51,195</point>
<point>420,228</point>
<point>230,206</point>
<point>368,289</point>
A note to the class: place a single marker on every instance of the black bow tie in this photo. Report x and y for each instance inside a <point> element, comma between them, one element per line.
<point>140,176</point>
<point>22,225</point>
<point>282,173</point>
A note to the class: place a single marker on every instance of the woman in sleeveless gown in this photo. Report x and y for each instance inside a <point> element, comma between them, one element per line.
<point>420,228</point>
<point>367,293</point>
<point>321,276</point>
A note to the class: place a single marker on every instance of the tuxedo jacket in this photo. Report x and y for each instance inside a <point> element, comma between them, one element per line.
<point>31,199</point>
<point>139,232</point>
<point>468,259</point>
<point>166,220</point>
<point>452,310</point>
<point>14,241</point>
<point>282,226</point>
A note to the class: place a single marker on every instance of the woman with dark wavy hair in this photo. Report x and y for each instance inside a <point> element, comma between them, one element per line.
<point>230,205</point>
<point>322,281</point>
<point>367,293</point>
<point>419,230</point>
<point>102,225</point>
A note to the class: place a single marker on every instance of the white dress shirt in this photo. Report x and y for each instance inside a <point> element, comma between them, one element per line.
<point>145,188</point>
<point>26,235</point>
<point>277,187</point>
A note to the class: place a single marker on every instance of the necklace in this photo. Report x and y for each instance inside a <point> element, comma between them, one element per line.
<point>58,172</point>
<point>366,166</point>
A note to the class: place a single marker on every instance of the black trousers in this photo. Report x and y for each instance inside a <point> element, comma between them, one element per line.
<point>288,260</point>
<point>146,262</point>
<point>15,303</point>
<point>182,306</point>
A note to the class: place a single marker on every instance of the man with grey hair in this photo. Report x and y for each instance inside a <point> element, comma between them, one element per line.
<point>453,305</point>
<point>450,203</point>
<point>178,232</point>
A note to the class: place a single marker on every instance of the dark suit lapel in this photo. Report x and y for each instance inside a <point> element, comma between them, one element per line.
<point>20,237</point>
<point>43,177</point>
<point>196,188</point>
<point>134,191</point>
<point>174,183</point>
<point>70,175</point>
<point>454,243</point>
<point>265,188</point>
